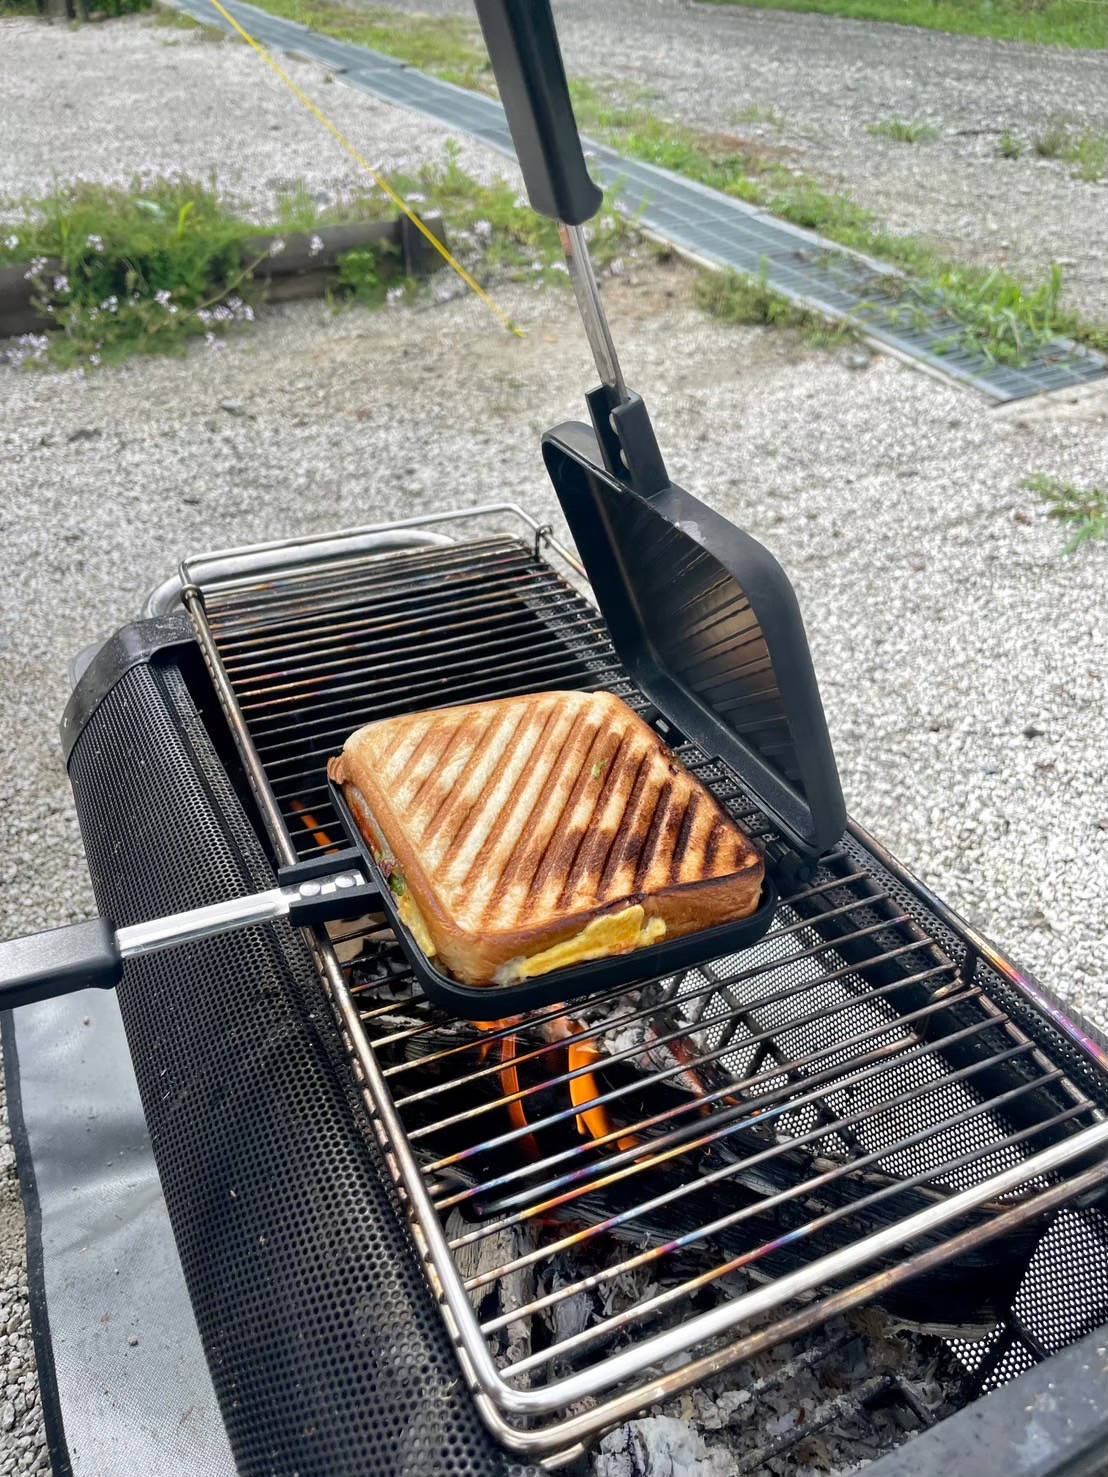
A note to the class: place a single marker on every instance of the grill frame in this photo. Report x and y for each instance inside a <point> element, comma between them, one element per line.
<point>498,1400</point>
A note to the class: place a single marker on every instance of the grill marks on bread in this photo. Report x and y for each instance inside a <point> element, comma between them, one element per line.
<point>557,803</point>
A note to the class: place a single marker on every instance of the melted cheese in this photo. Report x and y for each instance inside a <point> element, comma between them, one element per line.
<point>616,933</point>
<point>414,920</point>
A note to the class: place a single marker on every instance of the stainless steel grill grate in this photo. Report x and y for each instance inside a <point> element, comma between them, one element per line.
<point>604,1193</point>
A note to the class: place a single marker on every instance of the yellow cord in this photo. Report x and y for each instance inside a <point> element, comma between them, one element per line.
<point>377,179</point>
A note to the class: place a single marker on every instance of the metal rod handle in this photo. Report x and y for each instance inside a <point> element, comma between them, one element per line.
<point>587,292</point>
<point>90,955</point>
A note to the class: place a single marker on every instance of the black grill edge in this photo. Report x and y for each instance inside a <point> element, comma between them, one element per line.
<point>326,1351</point>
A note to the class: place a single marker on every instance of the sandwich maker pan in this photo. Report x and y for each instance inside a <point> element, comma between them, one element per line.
<point>483,1002</point>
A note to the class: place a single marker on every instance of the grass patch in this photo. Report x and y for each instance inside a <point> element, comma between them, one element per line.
<point>495,232</point>
<point>140,270</point>
<point>1076,23</point>
<point>988,309</point>
<point>1083,509</point>
<point>166,19</point>
<point>148,268</point>
<point>1086,149</point>
<point>119,7</point>
<point>1011,147</point>
<point>449,46</point>
<point>905,131</point>
<point>752,113</point>
<point>1007,319</point>
<point>735,298</point>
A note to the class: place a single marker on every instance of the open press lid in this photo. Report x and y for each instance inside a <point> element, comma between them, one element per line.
<point>703,617</point>
<point>708,627</point>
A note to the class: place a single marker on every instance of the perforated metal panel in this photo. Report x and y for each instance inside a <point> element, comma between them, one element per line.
<point>326,1352</point>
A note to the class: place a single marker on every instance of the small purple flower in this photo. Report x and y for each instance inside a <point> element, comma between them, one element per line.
<point>11,242</point>
<point>61,284</point>
<point>162,298</point>
<point>94,358</point>
<point>315,246</point>
<point>96,242</point>
<point>276,247</point>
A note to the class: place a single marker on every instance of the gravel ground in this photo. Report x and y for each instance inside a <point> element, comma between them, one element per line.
<point>945,625</point>
<point>824,79</point>
<point>216,107</point>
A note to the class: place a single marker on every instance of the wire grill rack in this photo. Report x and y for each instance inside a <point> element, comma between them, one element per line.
<point>619,1198</point>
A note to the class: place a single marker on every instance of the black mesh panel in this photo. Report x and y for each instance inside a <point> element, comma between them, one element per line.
<point>327,1353</point>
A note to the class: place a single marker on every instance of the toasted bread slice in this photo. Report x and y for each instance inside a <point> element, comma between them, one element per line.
<point>537,832</point>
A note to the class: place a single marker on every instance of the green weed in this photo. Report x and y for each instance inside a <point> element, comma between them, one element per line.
<point>905,131</point>
<point>1011,147</point>
<point>138,270</point>
<point>753,113</point>
<point>1046,22</point>
<point>1086,149</point>
<point>147,268</point>
<point>736,298</point>
<point>166,19</point>
<point>449,46</point>
<point>1083,509</point>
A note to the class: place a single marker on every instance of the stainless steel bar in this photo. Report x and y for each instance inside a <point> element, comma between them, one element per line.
<point>247,606</point>
<point>253,561</point>
<point>231,567</point>
<point>484,1037</point>
<point>717,1054</point>
<point>248,666</point>
<point>245,615</point>
<point>845,1168</point>
<point>255,772</point>
<point>499,613</point>
<point>477,693</point>
<point>713,986</point>
<point>679,1033</point>
<point>542,649</point>
<point>213,919</point>
<point>635,1161</point>
<point>642,1125</point>
<point>592,308</point>
<point>748,1258</point>
<point>797,1325</point>
<point>719,1320</point>
<point>437,586</point>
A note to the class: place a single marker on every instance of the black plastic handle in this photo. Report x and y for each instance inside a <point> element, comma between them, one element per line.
<point>527,60</point>
<point>43,965</point>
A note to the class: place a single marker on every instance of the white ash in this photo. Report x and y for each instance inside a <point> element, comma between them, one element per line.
<point>770,1416</point>
<point>659,1446</point>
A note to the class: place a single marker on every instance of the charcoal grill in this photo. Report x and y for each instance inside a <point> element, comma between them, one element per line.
<point>949,1099</point>
<point>614,1202</point>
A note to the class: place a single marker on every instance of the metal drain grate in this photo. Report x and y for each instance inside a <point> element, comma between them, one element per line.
<point>703,223</point>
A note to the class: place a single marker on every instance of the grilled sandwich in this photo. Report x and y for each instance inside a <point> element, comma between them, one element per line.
<point>525,835</point>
